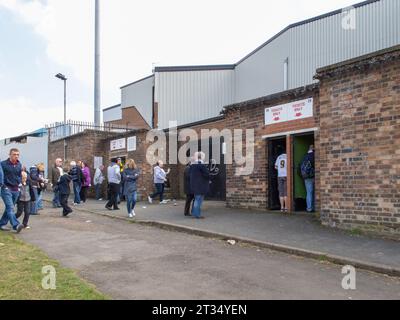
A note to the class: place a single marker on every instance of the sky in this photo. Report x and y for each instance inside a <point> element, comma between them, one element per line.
<point>40,38</point>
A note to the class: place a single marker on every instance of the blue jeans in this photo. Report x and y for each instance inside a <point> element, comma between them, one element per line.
<point>310,193</point>
<point>159,191</point>
<point>77,190</point>
<point>9,199</point>
<point>198,201</point>
<point>131,201</point>
<point>97,187</point>
<point>39,201</point>
<point>34,209</point>
<point>56,199</point>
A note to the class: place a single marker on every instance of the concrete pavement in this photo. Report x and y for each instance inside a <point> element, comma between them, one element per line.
<point>295,234</point>
<point>133,261</point>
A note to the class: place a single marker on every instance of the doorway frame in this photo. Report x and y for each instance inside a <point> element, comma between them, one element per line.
<point>268,141</point>
<point>289,142</point>
<point>293,168</point>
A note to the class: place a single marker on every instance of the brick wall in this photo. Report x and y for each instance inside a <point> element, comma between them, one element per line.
<point>145,181</point>
<point>84,146</point>
<point>131,118</point>
<point>251,191</point>
<point>359,144</point>
<point>177,171</point>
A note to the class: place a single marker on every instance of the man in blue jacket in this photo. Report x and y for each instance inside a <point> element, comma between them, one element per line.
<point>10,181</point>
<point>199,183</point>
<point>307,168</point>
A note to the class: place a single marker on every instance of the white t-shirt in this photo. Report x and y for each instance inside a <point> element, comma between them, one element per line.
<point>281,163</point>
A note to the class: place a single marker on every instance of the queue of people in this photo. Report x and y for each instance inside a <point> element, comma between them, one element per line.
<point>23,188</point>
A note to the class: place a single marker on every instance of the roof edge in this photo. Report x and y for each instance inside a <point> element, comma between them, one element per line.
<point>137,81</point>
<point>279,95</point>
<point>359,62</point>
<point>195,68</point>
<point>113,107</point>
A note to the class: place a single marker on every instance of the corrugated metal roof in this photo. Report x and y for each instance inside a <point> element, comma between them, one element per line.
<point>332,13</point>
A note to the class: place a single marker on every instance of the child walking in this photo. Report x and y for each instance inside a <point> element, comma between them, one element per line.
<point>25,200</point>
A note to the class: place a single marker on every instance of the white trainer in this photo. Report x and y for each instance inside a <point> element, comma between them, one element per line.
<point>150,199</point>
<point>130,215</point>
<point>133,213</point>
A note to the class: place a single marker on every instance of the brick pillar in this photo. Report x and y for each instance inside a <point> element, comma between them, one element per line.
<point>289,154</point>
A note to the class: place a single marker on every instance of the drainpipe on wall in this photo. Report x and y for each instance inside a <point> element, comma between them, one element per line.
<point>286,74</point>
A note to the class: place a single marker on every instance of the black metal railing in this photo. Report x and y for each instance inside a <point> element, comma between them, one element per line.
<point>61,130</point>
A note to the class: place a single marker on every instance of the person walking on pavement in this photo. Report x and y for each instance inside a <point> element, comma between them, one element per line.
<point>129,178</point>
<point>98,182</point>
<point>281,166</point>
<point>307,169</point>
<point>188,191</point>
<point>77,177</point>
<point>25,199</point>
<point>87,181</point>
<point>64,190</point>
<point>160,177</point>
<point>42,185</point>
<point>120,196</point>
<point>10,181</point>
<point>56,172</point>
<point>114,182</point>
<point>35,183</point>
<point>199,183</point>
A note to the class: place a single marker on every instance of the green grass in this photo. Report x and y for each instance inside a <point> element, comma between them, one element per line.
<point>21,275</point>
<point>356,232</point>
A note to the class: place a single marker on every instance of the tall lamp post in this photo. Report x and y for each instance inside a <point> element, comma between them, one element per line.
<point>64,78</point>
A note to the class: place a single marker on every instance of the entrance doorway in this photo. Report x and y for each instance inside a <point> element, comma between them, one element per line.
<point>215,161</point>
<point>300,147</point>
<point>276,147</point>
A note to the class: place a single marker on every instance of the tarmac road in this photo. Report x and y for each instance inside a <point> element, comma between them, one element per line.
<point>129,261</point>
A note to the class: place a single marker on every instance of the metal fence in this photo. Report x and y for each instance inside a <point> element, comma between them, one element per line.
<point>61,130</point>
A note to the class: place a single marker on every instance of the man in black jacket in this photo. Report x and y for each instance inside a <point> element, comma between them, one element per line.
<point>56,173</point>
<point>188,191</point>
<point>64,191</point>
<point>76,176</point>
<point>199,183</point>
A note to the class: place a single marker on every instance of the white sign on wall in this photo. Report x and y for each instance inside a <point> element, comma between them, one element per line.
<point>98,161</point>
<point>132,144</point>
<point>291,111</point>
<point>118,144</point>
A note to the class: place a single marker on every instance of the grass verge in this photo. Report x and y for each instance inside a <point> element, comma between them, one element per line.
<point>21,275</point>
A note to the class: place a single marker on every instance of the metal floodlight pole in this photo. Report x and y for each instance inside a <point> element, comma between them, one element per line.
<point>64,78</point>
<point>97,65</point>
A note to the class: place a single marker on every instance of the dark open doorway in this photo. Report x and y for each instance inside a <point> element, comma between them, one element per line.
<point>275,148</point>
<point>301,144</point>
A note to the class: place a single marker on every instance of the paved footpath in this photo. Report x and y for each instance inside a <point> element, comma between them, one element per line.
<point>133,261</point>
<point>297,234</point>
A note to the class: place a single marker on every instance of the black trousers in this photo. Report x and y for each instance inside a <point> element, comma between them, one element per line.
<point>83,193</point>
<point>114,191</point>
<point>64,203</point>
<point>25,208</point>
<point>189,202</point>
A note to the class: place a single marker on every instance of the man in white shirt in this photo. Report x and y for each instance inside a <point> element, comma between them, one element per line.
<point>281,166</point>
<point>114,180</point>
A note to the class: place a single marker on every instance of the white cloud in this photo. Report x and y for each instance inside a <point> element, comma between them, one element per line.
<point>137,33</point>
<point>21,115</point>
